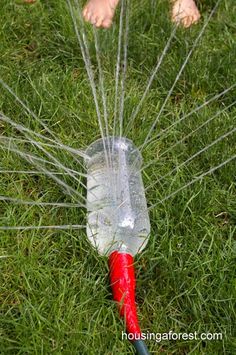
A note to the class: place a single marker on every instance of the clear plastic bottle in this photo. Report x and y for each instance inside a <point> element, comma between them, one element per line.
<point>116,204</point>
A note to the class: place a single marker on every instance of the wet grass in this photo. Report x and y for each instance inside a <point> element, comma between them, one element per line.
<point>55,296</point>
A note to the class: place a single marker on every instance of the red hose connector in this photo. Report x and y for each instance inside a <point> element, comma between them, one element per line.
<point>122,278</point>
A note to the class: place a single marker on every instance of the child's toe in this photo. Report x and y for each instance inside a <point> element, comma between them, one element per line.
<point>84,12</point>
<point>93,19</point>
<point>187,21</point>
<point>90,16</point>
<point>99,22</point>
<point>107,23</point>
<point>87,14</point>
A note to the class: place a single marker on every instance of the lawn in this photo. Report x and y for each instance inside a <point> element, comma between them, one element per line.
<point>54,294</point>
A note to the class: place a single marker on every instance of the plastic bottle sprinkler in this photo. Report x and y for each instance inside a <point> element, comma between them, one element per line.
<point>118,223</point>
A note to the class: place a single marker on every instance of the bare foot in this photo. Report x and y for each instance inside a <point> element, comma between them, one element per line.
<point>100,12</point>
<point>185,12</point>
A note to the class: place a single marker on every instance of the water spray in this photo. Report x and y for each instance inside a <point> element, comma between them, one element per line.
<point>118,223</point>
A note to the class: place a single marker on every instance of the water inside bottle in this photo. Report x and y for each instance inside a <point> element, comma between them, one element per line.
<point>116,204</point>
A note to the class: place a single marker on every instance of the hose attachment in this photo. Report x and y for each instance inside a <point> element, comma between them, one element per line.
<point>122,278</point>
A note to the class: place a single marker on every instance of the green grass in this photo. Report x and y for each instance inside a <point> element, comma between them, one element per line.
<point>54,295</point>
